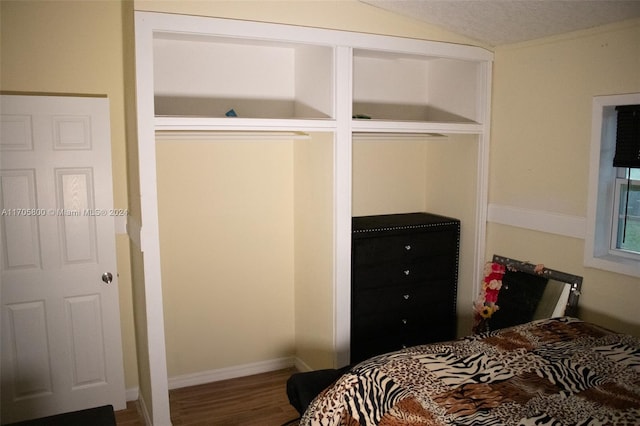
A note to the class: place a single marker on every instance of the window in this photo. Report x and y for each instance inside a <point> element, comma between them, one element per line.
<point>625,232</point>
<point>613,221</point>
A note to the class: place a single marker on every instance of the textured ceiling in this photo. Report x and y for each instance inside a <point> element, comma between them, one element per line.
<point>498,22</point>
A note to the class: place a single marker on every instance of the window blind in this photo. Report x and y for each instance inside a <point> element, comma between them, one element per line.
<point>627,148</point>
<point>628,137</point>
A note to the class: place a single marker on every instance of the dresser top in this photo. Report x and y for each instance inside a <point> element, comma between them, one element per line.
<point>397,222</point>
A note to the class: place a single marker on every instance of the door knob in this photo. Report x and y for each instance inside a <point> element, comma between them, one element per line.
<point>107,277</point>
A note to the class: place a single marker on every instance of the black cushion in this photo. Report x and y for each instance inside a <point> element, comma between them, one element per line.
<point>99,416</point>
<point>302,388</point>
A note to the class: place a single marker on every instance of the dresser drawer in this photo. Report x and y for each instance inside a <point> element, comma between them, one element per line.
<point>409,247</point>
<point>394,273</point>
<point>396,332</point>
<point>402,298</point>
<point>400,322</point>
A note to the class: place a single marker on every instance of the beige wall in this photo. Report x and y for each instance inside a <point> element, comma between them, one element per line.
<point>389,176</point>
<point>351,15</point>
<point>75,48</point>
<point>541,134</point>
<point>226,241</point>
<point>451,190</point>
<point>313,244</point>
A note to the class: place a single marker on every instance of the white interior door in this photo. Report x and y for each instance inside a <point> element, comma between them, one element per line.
<point>61,344</point>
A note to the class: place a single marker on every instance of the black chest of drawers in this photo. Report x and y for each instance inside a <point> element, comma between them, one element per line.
<point>404,280</point>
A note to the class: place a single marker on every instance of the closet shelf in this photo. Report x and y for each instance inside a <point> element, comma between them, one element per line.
<point>164,123</point>
<point>384,126</point>
<point>175,123</point>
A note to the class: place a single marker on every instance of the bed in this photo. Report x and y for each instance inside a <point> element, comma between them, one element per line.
<point>556,371</point>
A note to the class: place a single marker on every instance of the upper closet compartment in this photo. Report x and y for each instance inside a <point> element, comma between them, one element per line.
<point>204,75</point>
<point>407,87</point>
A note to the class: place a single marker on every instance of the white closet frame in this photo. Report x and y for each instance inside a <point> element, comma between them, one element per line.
<point>343,45</point>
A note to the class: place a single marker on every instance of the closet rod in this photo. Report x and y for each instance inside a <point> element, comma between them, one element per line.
<point>222,136</point>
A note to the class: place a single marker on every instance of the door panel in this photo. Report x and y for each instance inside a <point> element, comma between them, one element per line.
<point>28,329</point>
<point>61,344</point>
<point>84,324</point>
<point>21,245</point>
<point>77,225</point>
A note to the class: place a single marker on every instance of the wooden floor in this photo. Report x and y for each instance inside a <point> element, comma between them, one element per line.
<point>254,400</point>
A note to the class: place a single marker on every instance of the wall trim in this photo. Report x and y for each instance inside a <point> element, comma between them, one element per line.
<point>134,229</point>
<point>144,411</point>
<point>538,220</point>
<point>216,375</point>
<point>132,394</point>
<point>120,223</point>
<point>301,366</point>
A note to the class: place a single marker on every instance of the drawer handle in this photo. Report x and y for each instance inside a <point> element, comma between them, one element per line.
<point>407,272</point>
<point>406,297</point>
<point>407,247</point>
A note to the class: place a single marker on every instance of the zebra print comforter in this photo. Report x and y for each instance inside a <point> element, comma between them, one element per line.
<point>560,371</point>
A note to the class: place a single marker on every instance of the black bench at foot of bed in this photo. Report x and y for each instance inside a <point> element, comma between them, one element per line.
<point>302,388</point>
<point>99,416</point>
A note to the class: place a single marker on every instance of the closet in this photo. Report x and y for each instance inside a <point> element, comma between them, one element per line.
<point>301,129</point>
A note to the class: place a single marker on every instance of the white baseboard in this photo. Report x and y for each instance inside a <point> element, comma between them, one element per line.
<point>301,365</point>
<point>145,411</point>
<point>202,377</point>
<point>132,394</point>
<point>538,220</point>
<point>209,376</point>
